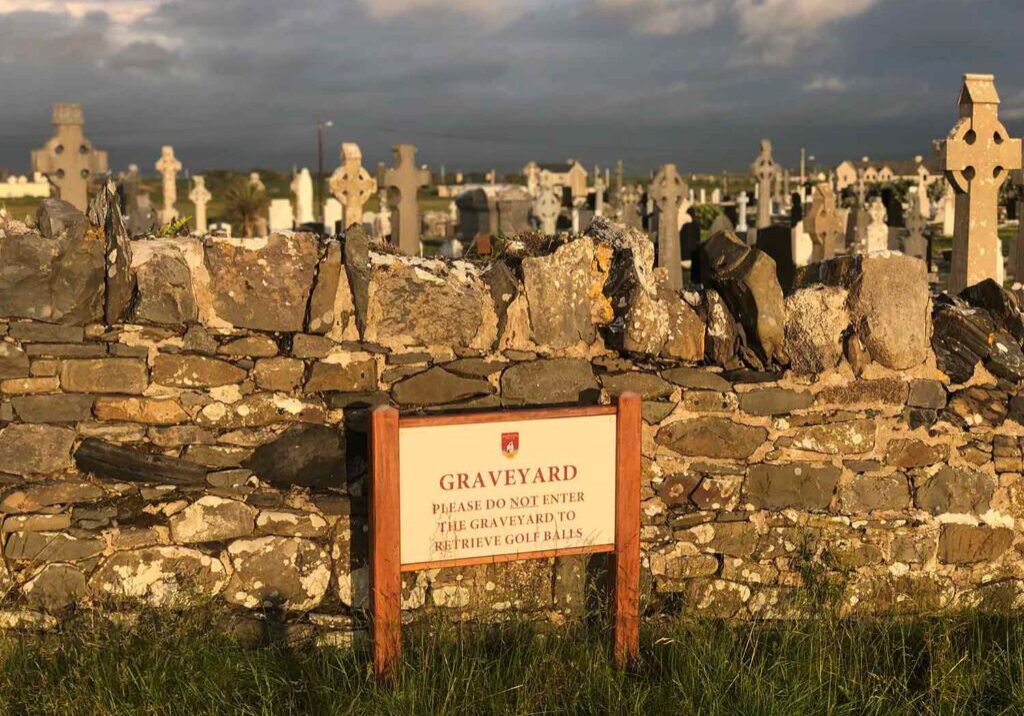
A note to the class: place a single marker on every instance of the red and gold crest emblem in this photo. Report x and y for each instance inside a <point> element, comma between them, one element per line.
<point>509,444</point>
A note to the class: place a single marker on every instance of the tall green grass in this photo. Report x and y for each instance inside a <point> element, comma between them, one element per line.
<point>187,663</point>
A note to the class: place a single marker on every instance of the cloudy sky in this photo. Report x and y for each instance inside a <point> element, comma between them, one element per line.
<point>482,83</point>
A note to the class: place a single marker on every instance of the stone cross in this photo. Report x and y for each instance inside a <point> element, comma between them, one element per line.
<point>764,169</point>
<point>200,197</point>
<point>599,187</point>
<point>915,243</point>
<point>351,184</point>
<point>741,219</point>
<point>254,180</point>
<point>168,166</point>
<point>877,231</point>
<point>977,156</point>
<point>546,208</point>
<point>302,190</point>
<point>68,159</point>
<point>629,207</point>
<point>823,222</point>
<point>668,189</point>
<point>405,178</point>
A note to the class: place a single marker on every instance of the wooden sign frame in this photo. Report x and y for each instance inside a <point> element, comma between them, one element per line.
<point>385,523</point>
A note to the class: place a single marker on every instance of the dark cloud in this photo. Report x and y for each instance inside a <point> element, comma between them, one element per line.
<point>241,83</point>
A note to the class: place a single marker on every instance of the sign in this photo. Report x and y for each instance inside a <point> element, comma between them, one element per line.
<point>475,488</point>
<point>473,493</point>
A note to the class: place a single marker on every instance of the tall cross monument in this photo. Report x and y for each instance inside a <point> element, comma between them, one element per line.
<point>977,156</point>
<point>668,189</point>
<point>351,184</point>
<point>200,196</point>
<point>168,166</point>
<point>764,169</point>
<point>68,159</point>
<point>405,178</point>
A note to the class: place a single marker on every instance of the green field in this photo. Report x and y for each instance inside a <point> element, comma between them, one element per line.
<point>189,663</point>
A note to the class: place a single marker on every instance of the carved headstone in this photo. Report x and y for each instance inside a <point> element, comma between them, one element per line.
<point>741,203</point>
<point>977,157</point>
<point>915,243</point>
<point>200,197</point>
<point>877,236</point>
<point>546,208</point>
<point>629,207</point>
<point>823,222</point>
<point>764,169</point>
<point>351,184</point>
<point>68,159</point>
<point>667,190</point>
<point>168,166</point>
<point>405,179</point>
<point>302,193</point>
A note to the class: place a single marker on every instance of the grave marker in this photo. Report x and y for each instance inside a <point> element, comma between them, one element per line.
<point>667,190</point>
<point>200,196</point>
<point>823,222</point>
<point>302,191</point>
<point>764,169</point>
<point>405,179</point>
<point>741,202</point>
<point>168,166</point>
<point>352,185</point>
<point>68,159</point>
<point>877,232</point>
<point>915,243</point>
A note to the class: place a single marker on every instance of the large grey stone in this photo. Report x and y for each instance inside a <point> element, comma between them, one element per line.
<point>35,449</point>
<point>263,283</point>
<point>55,273</point>
<point>557,291</point>
<point>712,437</point>
<point>956,490</point>
<point>647,385</point>
<point>802,486</point>
<point>159,575</point>
<point>331,307</point>
<point>303,455</point>
<point>55,587</point>
<point>188,371</point>
<point>57,408</point>
<point>967,544</point>
<point>816,319</point>
<point>51,547</point>
<point>560,380</point>
<point>840,438</point>
<point>746,279</point>
<point>436,386</point>
<point>164,278</point>
<point>351,376</point>
<point>13,361</point>
<point>212,519</point>
<point>278,572</point>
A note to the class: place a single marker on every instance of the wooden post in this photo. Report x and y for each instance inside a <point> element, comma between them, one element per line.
<point>385,547</point>
<point>627,530</point>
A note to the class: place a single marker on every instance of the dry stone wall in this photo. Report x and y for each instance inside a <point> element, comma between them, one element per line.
<point>211,440</point>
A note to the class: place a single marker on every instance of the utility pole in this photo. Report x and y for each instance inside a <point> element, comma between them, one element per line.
<point>321,124</point>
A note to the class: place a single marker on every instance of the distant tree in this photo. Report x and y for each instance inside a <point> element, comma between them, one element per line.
<point>245,205</point>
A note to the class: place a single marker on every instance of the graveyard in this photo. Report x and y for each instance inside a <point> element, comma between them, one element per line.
<point>517,428</point>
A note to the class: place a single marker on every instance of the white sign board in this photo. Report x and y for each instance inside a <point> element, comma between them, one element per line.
<point>510,487</point>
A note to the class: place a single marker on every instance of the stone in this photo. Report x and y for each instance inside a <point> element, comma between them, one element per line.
<point>976,406</point>
<point>696,379</point>
<point>870,493</point>
<point>823,223</point>
<point>283,374</point>
<point>909,452</point>
<point>263,284</point>
<point>803,486</point>
<point>352,375</point>
<point>927,394</point>
<point>721,340</point>
<point>677,564</point>
<point>212,519</point>
<point>351,184</point>
<point>39,496</point>
<point>888,301</point>
<point>37,523</point>
<point>55,587</point>
<point>712,437</point>
<point>36,332</point>
<point>965,336</point>
<point>162,576</point>
<point>774,401</point>
<point>148,411</point>
<point>404,180</point>
<point>476,367</point>
<point>1001,304</point>
<point>255,346</point>
<point>51,547</point>
<point>425,302</point>
<point>717,493</point>
<point>27,449</point>
<point>191,371</point>
<point>968,544</point>
<point>781,244</point>
<point>436,386</point>
<point>667,189</point>
<point>850,437</point>
<point>654,412</point>
<point>58,408</point>
<point>278,572</point>
<point>260,409</point>
<point>168,167</point>
<point>885,391</point>
<point>331,306</point>
<point>200,196</point>
<point>68,159</point>
<point>104,375</point>
<point>977,157</point>
<point>303,455</point>
<point>557,291</point>
<point>745,278</point>
<point>55,273</point>
<point>764,170</point>
<point>559,380</point>
<point>954,489</point>
<point>13,361</point>
<point>290,523</point>
<point>646,385</point>
<point>816,319</point>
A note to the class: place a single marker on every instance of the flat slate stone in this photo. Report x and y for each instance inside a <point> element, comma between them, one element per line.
<point>774,401</point>
<point>436,386</point>
<point>560,380</point>
<point>654,412</point>
<point>696,378</point>
<point>712,437</point>
<point>647,385</point>
<point>37,332</point>
<point>58,408</point>
<point>803,486</point>
<point>927,394</point>
<point>303,455</point>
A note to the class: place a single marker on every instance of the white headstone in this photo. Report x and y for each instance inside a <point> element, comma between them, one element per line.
<point>200,197</point>
<point>302,192</point>
<point>741,203</point>
<point>332,214</point>
<point>168,167</point>
<point>877,230</point>
<point>281,216</point>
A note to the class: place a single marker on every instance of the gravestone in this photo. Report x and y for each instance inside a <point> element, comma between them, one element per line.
<point>716,196</point>
<point>802,245</point>
<point>168,166</point>
<point>977,157</point>
<point>629,207</point>
<point>823,223</point>
<point>256,182</point>
<point>777,242</point>
<point>721,223</point>
<point>764,169</point>
<point>689,250</point>
<point>141,217</point>
<point>915,243</point>
<point>302,192</point>
<point>546,208</point>
<point>667,190</point>
<point>877,232</point>
<point>352,185</point>
<point>405,179</point>
<point>68,159</point>
<point>599,188</point>
<point>332,215</point>
<point>741,203</point>
<point>619,188</point>
<point>200,196</point>
<point>857,231</point>
<point>281,217</point>
<point>948,210</point>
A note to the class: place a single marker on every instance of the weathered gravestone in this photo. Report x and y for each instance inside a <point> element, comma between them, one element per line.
<point>629,207</point>
<point>200,196</point>
<point>168,166</point>
<point>721,223</point>
<point>302,192</point>
<point>405,179</point>
<point>877,232</point>
<point>668,189</point>
<point>823,222</point>
<point>68,159</point>
<point>915,243</point>
<point>741,203</point>
<point>141,216</point>
<point>764,169</point>
<point>546,208</point>
<point>352,185</point>
<point>977,157</point>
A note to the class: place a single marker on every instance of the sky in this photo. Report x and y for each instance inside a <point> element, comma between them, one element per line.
<point>480,84</point>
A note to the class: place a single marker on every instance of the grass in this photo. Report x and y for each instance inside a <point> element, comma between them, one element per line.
<point>188,663</point>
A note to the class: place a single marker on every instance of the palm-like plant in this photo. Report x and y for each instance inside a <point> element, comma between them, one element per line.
<point>245,206</point>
